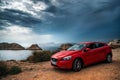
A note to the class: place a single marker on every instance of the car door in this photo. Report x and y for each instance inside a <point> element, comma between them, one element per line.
<point>91,55</point>
<point>100,50</point>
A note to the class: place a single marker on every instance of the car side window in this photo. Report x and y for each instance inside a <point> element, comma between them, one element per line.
<point>99,45</point>
<point>91,46</point>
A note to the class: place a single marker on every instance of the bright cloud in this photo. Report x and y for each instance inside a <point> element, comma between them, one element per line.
<point>55,3</point>
<point>18,30</point>
<point>25,5</point>
<point>23,35</point>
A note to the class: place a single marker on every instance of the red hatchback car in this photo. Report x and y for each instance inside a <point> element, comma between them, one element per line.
<point>82,54</point>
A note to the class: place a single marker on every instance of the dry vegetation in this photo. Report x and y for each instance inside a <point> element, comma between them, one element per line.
<point>39,56</point>
<point>44,71</point>
<point>7,70</point>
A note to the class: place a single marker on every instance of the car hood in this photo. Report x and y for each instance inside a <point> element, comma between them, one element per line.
<point>63,54</point>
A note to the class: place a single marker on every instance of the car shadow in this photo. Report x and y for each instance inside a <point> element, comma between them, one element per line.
<point>95,65</point>
<point>62,70</point>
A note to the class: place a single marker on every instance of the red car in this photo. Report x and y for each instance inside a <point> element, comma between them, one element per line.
<point>82,54</point>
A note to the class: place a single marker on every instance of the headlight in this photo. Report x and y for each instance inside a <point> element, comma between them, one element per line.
<point>67,58</point>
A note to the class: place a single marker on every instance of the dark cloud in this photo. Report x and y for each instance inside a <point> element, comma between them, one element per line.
<point>45,1</point>
<point>109,6</point>
<point>51,9</point>
<point>17,17</point>
<point>91,19</point>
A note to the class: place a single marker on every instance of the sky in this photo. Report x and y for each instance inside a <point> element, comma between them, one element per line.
<point>59,21</point>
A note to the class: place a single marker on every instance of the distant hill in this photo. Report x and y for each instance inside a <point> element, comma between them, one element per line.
<point>56,46</point>
<point>11,46</point>
<point>51,48</point>
<point>65,46</point>
<point>34,47</point>
<point>45,46</point>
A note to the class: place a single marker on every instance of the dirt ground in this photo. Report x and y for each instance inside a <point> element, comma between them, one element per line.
<point>44,71</point>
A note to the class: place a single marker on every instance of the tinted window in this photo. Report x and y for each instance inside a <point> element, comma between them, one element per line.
<point>91,46</point>
<point>99,45</point>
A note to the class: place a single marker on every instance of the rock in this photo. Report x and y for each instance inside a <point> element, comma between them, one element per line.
<point>65,46</point>
<point>34,47</point>
<point>11,46</point>
<point>114,43</point>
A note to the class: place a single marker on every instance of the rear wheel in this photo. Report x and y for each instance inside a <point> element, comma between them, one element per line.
<point>77,65</point>
<point>109,58</point>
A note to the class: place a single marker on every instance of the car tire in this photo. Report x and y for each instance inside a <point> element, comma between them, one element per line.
<point>109,58</point>
<point>77,65</point>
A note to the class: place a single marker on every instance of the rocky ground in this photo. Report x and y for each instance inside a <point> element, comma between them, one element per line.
<point>44,71</point>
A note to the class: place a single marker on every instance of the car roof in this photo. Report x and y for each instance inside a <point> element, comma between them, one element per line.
<point>90,42</point>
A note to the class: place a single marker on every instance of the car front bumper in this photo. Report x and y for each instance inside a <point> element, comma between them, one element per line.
<point>67,64</point>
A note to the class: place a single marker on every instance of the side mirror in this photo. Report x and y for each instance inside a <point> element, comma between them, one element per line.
<point>87,49</point>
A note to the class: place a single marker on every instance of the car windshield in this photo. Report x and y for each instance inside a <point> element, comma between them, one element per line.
<point>77,47</point>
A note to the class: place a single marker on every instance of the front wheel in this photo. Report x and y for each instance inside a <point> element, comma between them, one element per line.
<point>109,58</point>
<point>77,65</point>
